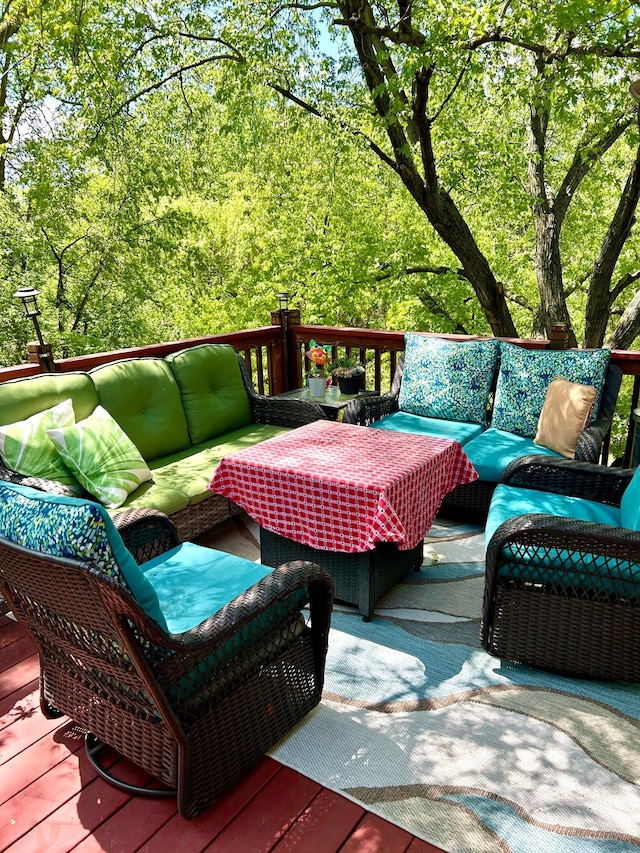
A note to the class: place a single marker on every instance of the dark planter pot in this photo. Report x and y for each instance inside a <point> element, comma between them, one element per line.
<point>351,384</point>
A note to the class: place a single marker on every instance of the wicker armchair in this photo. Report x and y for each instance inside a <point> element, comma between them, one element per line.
<point>563,593</point>
<point>195,709</point>
<point>473,499</point>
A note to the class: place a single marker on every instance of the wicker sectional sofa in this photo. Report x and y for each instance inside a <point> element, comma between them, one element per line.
<point>491,395</point>
<point>182,413</point>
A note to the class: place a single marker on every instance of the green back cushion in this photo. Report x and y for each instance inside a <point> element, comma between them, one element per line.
<point>26,447</point>
<point>448,379</point>
<point>142,395</point>
<point>213,395</point>
<point>21,398</point>
<point>76,529</point>
<point>630,503</point>
<point>526,374</point>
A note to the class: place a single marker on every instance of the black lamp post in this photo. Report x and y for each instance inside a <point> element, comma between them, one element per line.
<point>40,351</point>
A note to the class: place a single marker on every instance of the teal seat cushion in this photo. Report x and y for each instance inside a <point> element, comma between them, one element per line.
<point>525,375</point>
<point>493,450</point>
<point>630,503</point>
<point>433,427</point>
<point>77,529</point>
<point>211,388</point>
<point>193,582</point>
<point>559,567</point>
<point>451,380</point>
<point>143,397</point>
<point>510,501</point>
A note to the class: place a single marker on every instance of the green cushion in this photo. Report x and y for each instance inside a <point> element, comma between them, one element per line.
<point>192,582</point>
<point>213,395</point>
<point>26,448</point>
<point>77,529</point>
<point>21,398</point>
<point>525,375</point>
<point>491,452</point>
<point>102,456</point>
<point>433,427</point>
<point>630,503</point>
<point>143,397</point>
<point>448,379</point>
<point>191,471</point>
<point>510,501</point>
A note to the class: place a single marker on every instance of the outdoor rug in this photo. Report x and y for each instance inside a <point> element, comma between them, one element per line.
<point>469,752</point>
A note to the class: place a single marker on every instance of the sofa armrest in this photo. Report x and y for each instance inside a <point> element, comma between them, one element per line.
<point>278,411</point>
<point>591,439</point>
<point>568,477</point>
<point>146,533</point>
<point>52,487</point>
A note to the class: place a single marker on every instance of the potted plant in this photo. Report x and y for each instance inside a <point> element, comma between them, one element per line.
<point>350,374</point>
<point>317,377</point>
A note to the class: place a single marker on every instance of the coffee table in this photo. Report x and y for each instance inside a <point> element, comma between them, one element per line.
<point>357,501</point>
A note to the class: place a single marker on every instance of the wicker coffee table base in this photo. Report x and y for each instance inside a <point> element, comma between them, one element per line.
<point>359,579</point>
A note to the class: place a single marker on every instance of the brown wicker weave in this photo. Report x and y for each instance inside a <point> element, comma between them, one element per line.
<point>550,620</point>
<point>473,499</point>
<point>189,709</point>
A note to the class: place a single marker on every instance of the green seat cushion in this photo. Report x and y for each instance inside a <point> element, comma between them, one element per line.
<point>190,471</point>
<point>433,427</point>
<point>102,456</point>
<point>630,503</point>
<point>525,376</point>
<point>155,495</point>
<point>510,501</point>
<point>21,398</point>
<point>77,529</point>
<point>445,379</point>
<point>193,582</point>
<point>491,452</point>
<point>213,395</point>
<point>25,446</point>
<point>559,567</point>
<point>142,395</point>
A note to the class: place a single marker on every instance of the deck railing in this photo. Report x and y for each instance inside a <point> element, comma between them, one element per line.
<point>275,357</point>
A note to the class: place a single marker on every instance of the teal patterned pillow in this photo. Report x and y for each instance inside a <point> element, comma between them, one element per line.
<point>77,529</point>
<point>26,448</point>
<point>102,456</point>
<point>449,380</point>
<point>526,374</point>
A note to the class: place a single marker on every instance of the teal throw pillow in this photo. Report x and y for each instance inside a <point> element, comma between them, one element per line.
<point>77,529</point>
<point>525,376</point>
<point>449,380</point>
<point>26,448</point>
<point>102,456</point>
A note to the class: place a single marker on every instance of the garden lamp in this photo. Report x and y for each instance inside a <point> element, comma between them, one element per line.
<point>39,353</point>
<point>283,301</point>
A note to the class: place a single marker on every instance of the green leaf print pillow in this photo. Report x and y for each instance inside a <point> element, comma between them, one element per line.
<point>26,448</point>
<point>102,456</point>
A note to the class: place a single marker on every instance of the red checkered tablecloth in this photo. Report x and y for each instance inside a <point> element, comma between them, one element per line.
<point>340,487</point>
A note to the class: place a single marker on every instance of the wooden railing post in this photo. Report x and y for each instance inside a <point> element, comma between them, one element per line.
<point>282,360</point>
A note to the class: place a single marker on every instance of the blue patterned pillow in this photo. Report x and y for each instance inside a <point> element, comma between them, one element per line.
<point>449,380</point>
<point>526,374</point>
<point>77,529</point>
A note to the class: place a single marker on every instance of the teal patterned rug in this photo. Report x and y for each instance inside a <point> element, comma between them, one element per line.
<point>469,752</point>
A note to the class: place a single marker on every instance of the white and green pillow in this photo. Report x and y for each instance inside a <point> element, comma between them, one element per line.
<point>102,456</point>
<point>26,448</point>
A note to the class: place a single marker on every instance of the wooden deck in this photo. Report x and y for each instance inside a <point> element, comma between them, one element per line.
<point>51,799</point>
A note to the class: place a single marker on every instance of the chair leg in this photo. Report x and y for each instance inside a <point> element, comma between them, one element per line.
<point>94,746</point>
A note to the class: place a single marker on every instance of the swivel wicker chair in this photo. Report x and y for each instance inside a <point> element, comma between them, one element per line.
<point>193,701</point>
<point>562,586</point>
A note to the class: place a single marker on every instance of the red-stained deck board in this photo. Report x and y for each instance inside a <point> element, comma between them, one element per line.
<point>51,798</point>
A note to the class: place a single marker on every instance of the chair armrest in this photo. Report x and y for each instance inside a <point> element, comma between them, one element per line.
<point>567,477</point>
<point>591,439</point>
<point>146,533</point>
<point>366,410</point>
<point>278,411</point>
<point>52,487</point>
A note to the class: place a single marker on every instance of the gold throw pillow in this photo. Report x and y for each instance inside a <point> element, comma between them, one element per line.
<point>566,412</point>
